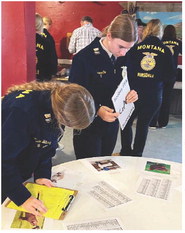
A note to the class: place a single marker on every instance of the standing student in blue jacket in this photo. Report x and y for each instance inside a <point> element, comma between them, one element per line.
<point>169,39</point>
<point>149,67</point>
<point>46,60</point>
<point>53,54</point>
<point>94,69</point>
<point>33,115</point>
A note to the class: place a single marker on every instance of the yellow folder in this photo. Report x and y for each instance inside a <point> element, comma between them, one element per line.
<point>57,200</point>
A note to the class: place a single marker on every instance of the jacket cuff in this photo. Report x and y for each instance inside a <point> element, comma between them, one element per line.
<point>20,195</point>
<point>97,106</point>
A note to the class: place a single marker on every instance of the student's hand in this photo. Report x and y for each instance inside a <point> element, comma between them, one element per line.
<point>107,114</point>
<point>31,218</point>
<point>131,97</point>
<point>34,206</point>
<point>44,181</point>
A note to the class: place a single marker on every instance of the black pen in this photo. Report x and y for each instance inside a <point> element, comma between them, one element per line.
<point>38,196</point>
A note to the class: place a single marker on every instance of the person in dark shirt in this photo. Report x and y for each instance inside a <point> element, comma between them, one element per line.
<point>98,67</point>
<point>44,53</point>
<point>149,67</point>
<point>169,39</point>
<point>33,115</point>
<point>141,27</point>
<point>54,59</point>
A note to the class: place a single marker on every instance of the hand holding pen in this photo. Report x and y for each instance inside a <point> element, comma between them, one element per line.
<point>34,206</point>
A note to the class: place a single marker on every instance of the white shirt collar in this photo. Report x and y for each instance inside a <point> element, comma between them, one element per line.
<point>101,42</point>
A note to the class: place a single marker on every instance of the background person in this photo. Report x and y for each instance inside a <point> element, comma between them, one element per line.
<point>140,26</point>
<point>54,59</point>
<point>83,36</point>
<point>149,67</point>
<point>44,58</point>
<point>169,39</point>
<point>94,68</point>
<point>32,118</point>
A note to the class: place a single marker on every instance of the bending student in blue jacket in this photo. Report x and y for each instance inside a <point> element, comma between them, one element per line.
<point>32,120</point>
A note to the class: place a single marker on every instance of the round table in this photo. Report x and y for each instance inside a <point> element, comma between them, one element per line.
<point>140,211</point>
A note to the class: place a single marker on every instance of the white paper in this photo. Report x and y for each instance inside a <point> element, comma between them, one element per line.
<point>108,224</point>
<point>66,178</point>
<point>118,100</point>
<point>108,195</point>
<point>155,187</point>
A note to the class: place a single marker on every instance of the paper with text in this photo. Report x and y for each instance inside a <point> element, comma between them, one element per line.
<point>108,224</point>
<point>155,187</point>
<point>108,195</point>
<point>119,102</point>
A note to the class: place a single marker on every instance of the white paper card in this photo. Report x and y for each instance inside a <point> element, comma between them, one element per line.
<point>118,100</point>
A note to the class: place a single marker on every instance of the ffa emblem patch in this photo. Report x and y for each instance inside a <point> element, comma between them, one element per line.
<point>148,62</point>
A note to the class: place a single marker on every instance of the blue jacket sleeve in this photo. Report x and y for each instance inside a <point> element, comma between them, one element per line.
<point>169,68</point>
<point>15,139</point>
<point>43,169</point>
<point>80,73</point>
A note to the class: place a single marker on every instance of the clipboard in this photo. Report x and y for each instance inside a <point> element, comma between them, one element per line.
<point>57,200</point>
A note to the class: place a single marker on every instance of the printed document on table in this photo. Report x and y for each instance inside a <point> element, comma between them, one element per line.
<point>107,224</point>
<point>155,187</point>
<point>119,102</point>
<point>108,195</point>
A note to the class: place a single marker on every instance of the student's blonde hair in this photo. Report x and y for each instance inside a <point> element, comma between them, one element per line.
<point>38,23</point>
<point>123,27</point>
<point>153,28</point>
<point>47,20</point>
<point>72,104</point>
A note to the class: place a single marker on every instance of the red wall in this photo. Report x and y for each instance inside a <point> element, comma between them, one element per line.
<point>66,17</point>
<point>18,43</point>
<point>18,32</point>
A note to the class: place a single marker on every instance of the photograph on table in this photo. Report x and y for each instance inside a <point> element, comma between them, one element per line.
<point>104,165</point>
<point>57,176</point>
<point>157,167</point>
<point>27,221</point>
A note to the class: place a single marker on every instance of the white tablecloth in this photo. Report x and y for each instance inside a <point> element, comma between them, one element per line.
<point>141,213</point>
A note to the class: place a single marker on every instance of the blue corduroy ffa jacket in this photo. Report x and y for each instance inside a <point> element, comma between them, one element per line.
<point>29,140</point>
<point>149,66</point>
<point>93,69</point>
